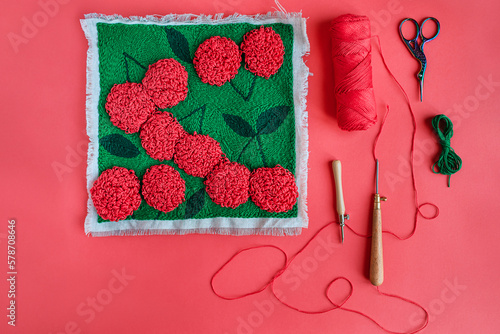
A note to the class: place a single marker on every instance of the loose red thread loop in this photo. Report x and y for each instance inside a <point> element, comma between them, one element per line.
<point>282,270</point>
<point>262,288</point>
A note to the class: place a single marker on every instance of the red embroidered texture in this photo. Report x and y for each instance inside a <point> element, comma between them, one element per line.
<point>217,60</point>
<point>264,51</point>
<point>228,184</point>
<point>116,193</point>
<point>166,82</point>
<point>197,154</point>
<point>129,106</point>
<point>163,188</point>
<point>273,189</point>
<point>160,134</point>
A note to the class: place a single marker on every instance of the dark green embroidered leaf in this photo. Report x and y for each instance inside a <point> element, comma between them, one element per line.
<point>239,125</point>
<point>179,44</point>
<point>271,119</point>
<point>118,145</point>
<point>194,204</point>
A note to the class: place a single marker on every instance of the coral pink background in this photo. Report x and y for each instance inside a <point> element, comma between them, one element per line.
<point>67,282</point>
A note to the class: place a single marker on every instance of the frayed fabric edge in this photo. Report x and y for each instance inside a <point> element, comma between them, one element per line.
<point>91,106</point>
<point>192,18</point>
<point>300,82</point>
<point>288,231</point>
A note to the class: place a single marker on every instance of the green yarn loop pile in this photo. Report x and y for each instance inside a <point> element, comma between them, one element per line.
<point>252,118</point>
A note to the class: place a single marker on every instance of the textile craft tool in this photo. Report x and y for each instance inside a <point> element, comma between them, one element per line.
<point>417,50</point>
<point>337,174</point>
<point>376,259</point>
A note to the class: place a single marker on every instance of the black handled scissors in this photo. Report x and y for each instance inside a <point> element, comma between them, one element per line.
<point>417,50</point>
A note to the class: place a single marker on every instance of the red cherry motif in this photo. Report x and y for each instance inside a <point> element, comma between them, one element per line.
<point>163,188</point>
<point>129,106</point>
<point>273,189</point>
<point>217,60</point>
<point>264,51</point>
<point>166,82</point>
<point>116,194</point>
<point>228,184</point>
<point>197,154</point>
<point>160,134</point>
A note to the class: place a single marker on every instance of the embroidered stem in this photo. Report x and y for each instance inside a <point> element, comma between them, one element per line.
<point>158,215</point>
<point>202,117</point>
<point>126,55</point>
<point>250,91</point>
<point>244,148</point>
<point>261,151</point>
<point>126,70</point>
<point>203,108</point>
<point>251,87</point>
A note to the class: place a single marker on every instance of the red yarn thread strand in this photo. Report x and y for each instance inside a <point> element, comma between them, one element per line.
<point>414,123</point>
<point>287,263</point>
<point>351,57</point>
<point>412,164</point>
<point>262,288</point>
<point>412,151</point>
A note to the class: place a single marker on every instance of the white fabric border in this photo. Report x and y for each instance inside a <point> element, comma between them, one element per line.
<point>220,225</point>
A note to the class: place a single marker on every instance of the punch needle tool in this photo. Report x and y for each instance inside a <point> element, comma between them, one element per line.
<point>416,49</point>
<point>376,259</point>
<point>337,175</point>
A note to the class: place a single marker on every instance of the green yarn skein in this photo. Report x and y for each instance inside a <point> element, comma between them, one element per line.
<point>449,162</point>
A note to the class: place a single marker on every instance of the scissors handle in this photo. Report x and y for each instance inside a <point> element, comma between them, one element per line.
<point>419,33</point>
<point>414,40</point>
<point>438,28</point>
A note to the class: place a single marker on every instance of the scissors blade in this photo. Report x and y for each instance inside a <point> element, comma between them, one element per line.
<point>421,88</point>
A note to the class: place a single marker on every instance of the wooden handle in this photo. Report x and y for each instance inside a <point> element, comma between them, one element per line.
<point>376,259</point>
<point>337,174</point>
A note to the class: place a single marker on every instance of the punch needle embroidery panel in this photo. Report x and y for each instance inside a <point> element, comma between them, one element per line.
<point>197,124</point>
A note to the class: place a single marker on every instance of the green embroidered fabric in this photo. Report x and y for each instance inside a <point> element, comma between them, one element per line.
<point>252,118</point>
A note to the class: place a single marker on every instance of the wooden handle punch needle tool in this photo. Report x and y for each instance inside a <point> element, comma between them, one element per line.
<point>376,259</point>
<point>337,175</point>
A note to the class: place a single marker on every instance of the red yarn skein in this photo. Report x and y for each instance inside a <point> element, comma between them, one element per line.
<point>351,55</point>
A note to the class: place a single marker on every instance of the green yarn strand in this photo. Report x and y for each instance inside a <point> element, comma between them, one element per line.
<point>449,162</point>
